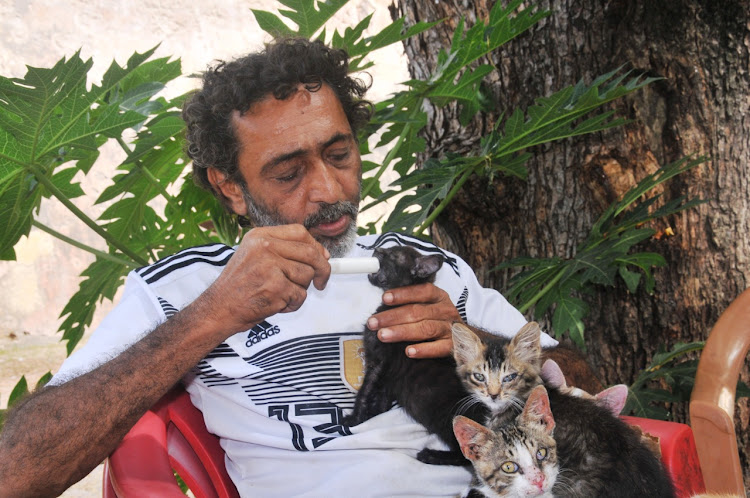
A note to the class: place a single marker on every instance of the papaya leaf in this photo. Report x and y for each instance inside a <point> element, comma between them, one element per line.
<point>308,15</point>
<point>568,317</point>
<point>435,180</point>
<point>101,280</point>
<point>20,390</point>
<point>671,368</point>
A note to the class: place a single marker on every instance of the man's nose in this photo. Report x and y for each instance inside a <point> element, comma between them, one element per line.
<point>325,186</point>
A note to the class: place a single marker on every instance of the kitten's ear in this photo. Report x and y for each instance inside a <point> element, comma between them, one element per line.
<point>526,344</point>
<point>470,435</point>
<point>466,345</point>
<point>552,375</point>
<point>427,265</point>
<point>537,409</point>
<point>613,398</point>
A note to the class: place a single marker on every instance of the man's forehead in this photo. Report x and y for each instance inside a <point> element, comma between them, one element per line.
<point>274,130</point>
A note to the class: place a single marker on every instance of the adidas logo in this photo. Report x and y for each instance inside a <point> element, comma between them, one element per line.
<point>263,330</point>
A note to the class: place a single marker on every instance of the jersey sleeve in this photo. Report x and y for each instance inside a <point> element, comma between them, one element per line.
<point>136,314</point>
<point>489,310</point>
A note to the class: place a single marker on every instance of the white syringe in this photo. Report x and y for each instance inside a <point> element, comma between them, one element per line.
<point>354,265</point>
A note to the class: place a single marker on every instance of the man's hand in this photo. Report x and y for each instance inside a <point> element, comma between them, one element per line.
<point>424,313</point>
<point>270,273</point>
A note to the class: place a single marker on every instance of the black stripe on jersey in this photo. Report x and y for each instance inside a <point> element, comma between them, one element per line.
<point>223,350</point>
<point>461,305</point>
<point>210,376</point>
<point>212,254</point>
<point>408,240</point>
<point>302,370</point>
<point>167,308</point>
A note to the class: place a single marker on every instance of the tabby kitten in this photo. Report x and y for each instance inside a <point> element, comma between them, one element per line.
<point>518,459</point>
<point>428,389</point>
<point>598,454</point>
<point>498,372</point>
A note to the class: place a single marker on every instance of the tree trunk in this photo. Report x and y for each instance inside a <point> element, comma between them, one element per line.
<point>700,48</point>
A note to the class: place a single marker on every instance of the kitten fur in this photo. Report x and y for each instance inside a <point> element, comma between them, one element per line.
<point>497,372</point>
<point>598,454</point>
<point>518,459</point>
<point>428,389</point>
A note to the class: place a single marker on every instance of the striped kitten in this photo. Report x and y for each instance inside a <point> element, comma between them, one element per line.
<point>518,459</point>
<point>597,453</point>
<point>499,373</point>
<point>496,375</point>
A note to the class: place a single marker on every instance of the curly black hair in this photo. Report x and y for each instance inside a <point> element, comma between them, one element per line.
<point>277,70</point>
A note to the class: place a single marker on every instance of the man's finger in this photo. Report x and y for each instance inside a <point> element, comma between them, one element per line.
<point>425,330</point>
<point>422,293</point>
<point>432,349</point>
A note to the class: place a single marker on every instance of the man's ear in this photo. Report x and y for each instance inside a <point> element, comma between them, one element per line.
<point>228,189</point>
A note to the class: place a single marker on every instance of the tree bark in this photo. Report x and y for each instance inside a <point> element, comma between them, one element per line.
<point>701,49</point>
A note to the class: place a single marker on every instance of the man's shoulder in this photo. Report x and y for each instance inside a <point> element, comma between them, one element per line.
<point>368,243</point>
<point>206,257</point>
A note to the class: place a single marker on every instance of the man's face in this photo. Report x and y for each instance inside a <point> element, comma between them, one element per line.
<point>300,164</point>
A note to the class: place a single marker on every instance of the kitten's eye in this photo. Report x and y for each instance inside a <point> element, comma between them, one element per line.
<point>478,377</point>
<point>509,467</point>
<point>541,454</point>
<point>510,377</point>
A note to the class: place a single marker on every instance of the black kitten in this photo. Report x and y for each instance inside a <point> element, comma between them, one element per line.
<point>428,389</point>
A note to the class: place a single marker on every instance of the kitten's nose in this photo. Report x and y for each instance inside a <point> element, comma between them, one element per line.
<point>538,481</point>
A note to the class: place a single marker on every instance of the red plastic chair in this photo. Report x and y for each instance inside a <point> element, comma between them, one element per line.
<point>170,437</point>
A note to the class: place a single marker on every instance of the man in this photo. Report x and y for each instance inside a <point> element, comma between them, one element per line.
<point>264,354</point>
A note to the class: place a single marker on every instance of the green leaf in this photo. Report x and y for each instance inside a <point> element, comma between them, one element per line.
<point>308,15</point>
<point>271,24</point>
<point>101,280</point>
<point>43,380</point>
<point>660,360</point>
<point>568,318</point>
<point>20,390</point>
<point>631,278</point>
<point>63,180</point>
<point>50,117</point>
<point>412,208</point>
<point>641,403</point>
<point>17,203</point>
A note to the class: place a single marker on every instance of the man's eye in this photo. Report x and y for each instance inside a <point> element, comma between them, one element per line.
<point>287,178</point>
<point>339,156</point>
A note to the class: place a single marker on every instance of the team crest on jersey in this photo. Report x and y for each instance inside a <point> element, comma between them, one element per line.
<point>262,331</point>
<point>353,364</point>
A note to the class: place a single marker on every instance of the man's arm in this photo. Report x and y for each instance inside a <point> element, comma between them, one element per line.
<point>61,433</point>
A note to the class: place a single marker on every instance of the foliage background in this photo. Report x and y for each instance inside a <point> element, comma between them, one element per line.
<point>38,33</point>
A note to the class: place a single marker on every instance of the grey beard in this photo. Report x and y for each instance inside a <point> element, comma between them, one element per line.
<point>261,216</point>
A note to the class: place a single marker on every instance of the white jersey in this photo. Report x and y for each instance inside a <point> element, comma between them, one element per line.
<point>277,393</point>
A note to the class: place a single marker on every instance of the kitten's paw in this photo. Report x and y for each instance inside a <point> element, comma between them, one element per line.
<point>351,420</point>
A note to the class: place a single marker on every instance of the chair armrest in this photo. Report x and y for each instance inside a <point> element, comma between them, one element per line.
<point>678,453</point>
<point>713,397</point>
<point>140,465</point>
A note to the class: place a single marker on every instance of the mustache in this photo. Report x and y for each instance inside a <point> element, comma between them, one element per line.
<point>331,212</point>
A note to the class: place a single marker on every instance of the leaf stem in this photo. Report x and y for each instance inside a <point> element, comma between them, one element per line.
<point>42,178</point>
<point>531,302</point>
<point>139,164</point>
<point>448,198</point>
<point>79,245</point>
